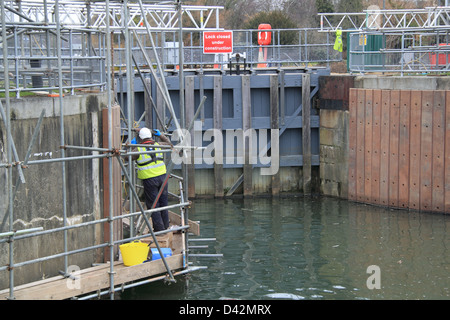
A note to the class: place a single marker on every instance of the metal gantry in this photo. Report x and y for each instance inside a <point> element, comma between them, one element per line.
<point>387,20</point>
<point>161,15</point>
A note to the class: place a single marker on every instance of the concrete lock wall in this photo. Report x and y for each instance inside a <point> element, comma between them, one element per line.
<point>39,202</point>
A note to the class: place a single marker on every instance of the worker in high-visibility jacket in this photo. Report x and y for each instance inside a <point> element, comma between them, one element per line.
<point>151,169</point>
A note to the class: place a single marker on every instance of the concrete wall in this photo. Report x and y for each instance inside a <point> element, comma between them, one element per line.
<point>402,83</point>
<point>334,153</point>
<point>39,202</point>
<point>333,131</point>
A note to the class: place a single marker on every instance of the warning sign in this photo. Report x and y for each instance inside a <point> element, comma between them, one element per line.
<point>218,42</point>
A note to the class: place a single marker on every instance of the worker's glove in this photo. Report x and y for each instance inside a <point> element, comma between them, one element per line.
<point>157,132</point>
<point>133,141</point>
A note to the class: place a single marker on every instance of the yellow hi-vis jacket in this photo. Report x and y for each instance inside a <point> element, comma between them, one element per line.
<point>150,165</point>
<point>338,46</point>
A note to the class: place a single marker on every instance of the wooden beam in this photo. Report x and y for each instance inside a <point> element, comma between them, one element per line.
<point>415,142</point>
<point>438,173</point>
<point>360,119</point>
<point>376,134</point>
<point>426,150</point>
<point>116,180</point>
<point>447,153</point>
<point>404,149</point>
<point>218,147</point>
<point>353,96</point>
<point>175,219</point>
<point>306,132</point>
<point>384,148</point>
<point>246,125</point>
<point>274,125</point>
<point>368,128</point>
<point>394,117</point>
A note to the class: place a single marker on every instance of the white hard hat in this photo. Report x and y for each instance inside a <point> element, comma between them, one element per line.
<point>145,133</point>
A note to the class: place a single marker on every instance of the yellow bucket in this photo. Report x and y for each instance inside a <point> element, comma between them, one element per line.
<point>134,253</point>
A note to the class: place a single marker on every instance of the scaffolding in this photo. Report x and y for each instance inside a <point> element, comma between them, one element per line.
<point>62,48</point>
<point>44,53</point>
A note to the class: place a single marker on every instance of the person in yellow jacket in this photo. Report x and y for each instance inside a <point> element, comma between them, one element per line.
<point>151,169</point>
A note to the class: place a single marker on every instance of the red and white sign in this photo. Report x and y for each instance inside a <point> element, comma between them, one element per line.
<point>218,42</point>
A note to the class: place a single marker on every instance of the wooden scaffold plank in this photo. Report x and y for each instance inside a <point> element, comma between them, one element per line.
<point>92,280</point>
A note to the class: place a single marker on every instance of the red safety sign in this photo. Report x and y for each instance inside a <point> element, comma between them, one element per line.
<point>218,42</point>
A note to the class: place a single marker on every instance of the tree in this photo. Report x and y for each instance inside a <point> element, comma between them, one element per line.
<point>350,6</point>
<point>278,20</point>
<point>303,12</point>
<point>324,6</point>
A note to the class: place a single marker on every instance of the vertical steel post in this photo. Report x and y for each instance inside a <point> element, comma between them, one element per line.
<point>61,118</point>
<point>181,82</point>
<point>72,85</point>
<point>8,147</point>
<point>47,41</point>
<point>182,118</point>
<point>108,88</point>
<point>130,106</point>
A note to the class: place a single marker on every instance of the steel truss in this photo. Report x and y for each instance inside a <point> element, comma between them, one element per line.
<point>162,15</point>
<point>430,18</point>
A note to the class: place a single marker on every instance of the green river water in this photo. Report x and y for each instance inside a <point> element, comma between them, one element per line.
<point>316,248</point>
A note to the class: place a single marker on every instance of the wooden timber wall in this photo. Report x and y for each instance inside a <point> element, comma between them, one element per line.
<point>399,148</point>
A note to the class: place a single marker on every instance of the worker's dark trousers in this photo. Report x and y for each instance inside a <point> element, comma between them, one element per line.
<point>160,219</point>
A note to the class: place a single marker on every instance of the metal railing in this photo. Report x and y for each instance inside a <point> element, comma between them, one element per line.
<point>289,48</point>
<point>33,61</point>
<point>399,52</point>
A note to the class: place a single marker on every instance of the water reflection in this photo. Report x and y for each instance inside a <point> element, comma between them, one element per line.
<point>312,248</point>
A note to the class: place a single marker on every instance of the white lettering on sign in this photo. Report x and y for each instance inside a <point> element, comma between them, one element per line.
<point>218,42</point>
